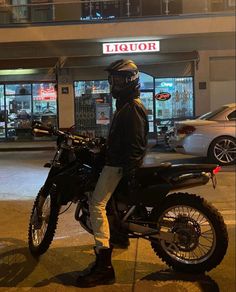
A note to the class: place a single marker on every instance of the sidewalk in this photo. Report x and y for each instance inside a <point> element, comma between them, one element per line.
<point>137,268</point>
<point>27,146</point>
<point>39,145</point>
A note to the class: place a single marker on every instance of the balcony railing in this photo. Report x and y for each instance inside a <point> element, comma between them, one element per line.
<point>46,11</point>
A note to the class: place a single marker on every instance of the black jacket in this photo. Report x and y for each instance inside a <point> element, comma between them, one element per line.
<point>127,140</point>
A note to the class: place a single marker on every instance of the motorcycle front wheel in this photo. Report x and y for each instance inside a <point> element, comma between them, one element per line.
<point>40,235</point>
<point>201,235</point>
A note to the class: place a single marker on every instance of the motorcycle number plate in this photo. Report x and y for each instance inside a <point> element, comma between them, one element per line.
<point>214,181</point>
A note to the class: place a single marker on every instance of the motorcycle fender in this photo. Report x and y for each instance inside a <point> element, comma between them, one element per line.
<point>190,180</point>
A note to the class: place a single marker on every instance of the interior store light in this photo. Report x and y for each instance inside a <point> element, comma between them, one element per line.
<point>18,71</point>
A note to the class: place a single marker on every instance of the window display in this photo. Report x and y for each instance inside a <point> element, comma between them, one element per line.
<point>2,113</point>
<point>180,104</point>
<point>92,107</point>
<point>45,103</point>
<point>177,101</point>
<point>146,81</point>
<point>22,103</point>
<point>18,110</point>
<point>147,100</point>
<point>166,100</point>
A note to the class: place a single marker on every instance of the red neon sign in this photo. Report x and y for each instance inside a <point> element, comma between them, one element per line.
<point>47,94</point>
<point>163,96</point>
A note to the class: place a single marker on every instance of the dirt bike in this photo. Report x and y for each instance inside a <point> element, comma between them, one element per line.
<point>184,230</point>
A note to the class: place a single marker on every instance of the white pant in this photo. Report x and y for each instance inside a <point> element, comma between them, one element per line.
<point>106,185</point>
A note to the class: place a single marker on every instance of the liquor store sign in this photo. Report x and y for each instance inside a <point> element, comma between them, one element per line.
<point>131,47</point>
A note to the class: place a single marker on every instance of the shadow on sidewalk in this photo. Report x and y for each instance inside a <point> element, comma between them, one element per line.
<point>163,278</point>
<point>16,262</point>
<point>19,269</point>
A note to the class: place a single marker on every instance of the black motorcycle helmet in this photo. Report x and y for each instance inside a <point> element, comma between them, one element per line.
<point>123,77</point>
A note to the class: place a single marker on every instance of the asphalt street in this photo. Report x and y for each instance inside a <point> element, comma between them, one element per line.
<point>137,268</point>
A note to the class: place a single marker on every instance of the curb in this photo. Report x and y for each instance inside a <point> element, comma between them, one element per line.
<point>26,149</point>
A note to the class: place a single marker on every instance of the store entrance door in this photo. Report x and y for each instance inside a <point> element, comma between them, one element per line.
<point>2,114</point>
<point>148,101</point>
<point>18,100</point>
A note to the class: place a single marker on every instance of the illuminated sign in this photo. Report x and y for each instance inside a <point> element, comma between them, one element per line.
<point>131,47</point>
<point>46,94</point>
<point>163,96</point>
<point>166,84</point>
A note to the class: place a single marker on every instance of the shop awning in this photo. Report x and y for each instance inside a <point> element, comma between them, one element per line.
<point>140,59</point>
<point>39,63</point>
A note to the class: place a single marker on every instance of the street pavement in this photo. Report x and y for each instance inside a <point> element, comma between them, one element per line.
<point>137,268</point>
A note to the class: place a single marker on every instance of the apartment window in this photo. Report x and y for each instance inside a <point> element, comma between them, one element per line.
<point>20,12</point>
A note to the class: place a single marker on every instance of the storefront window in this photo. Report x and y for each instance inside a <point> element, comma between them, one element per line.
<point>18,110</point>
<point>147,100</point>
<point>2,113</point>
<point>92,107</point>
<point>45,103</point>
<point>146,81</point>
<point>180,104</point>
<point>20,104</point>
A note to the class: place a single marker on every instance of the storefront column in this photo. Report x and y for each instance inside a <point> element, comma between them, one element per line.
<point>66,107</point>
<point>202,84</point>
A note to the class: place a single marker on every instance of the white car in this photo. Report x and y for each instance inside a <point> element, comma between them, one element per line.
<point>212,135</point>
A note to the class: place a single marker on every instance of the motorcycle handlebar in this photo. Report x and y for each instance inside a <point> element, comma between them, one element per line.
<point>38,129</point>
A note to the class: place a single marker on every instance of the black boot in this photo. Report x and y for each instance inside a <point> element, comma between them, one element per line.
<point>101,273</point>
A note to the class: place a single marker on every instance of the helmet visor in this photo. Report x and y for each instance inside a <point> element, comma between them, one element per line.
<point>117,80</point>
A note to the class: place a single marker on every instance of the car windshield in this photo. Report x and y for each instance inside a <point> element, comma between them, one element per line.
<point>213,114</point>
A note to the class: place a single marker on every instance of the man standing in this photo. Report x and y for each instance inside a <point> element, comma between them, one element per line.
<point>126,147</point>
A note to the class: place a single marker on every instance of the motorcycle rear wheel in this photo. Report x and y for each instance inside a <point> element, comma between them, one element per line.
<point>201,231</point>
<point>40,239</point>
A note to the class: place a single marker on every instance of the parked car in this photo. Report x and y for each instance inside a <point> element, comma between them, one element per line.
<point>212,135</point>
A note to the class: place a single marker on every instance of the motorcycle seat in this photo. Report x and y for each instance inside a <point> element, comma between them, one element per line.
<point>189,167</point>
<point>153,167</point>
<point>148,172</point>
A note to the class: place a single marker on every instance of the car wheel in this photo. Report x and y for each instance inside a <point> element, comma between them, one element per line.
<point>223,150</point>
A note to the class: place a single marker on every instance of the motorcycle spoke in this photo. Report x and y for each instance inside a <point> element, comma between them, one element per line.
<point>204,246</point>
<point>203,221</point>
<point>201,251</point>
<point>207,239</point>
<point>38,234</point>
<point>199,242</point>
<point>207,231</point>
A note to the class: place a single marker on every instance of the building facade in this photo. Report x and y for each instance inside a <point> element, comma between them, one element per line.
<point>53,56</point>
